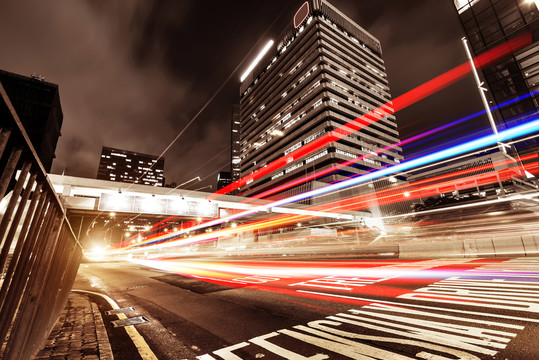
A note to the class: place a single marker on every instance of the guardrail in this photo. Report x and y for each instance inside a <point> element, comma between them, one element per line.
<point>39,252</point>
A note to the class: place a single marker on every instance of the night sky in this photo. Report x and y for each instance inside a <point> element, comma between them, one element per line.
<point>132,74</point>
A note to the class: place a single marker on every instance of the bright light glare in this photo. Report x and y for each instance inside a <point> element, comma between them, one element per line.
<point>257,60</point>
<point>97,252</point>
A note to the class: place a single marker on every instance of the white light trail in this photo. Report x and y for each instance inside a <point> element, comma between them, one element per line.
<point>517,131</point>
<point>257,60</point>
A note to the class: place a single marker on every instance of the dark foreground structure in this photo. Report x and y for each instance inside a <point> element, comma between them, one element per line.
<point>37,104</point>
<point>39,253</point>
<point>515,79</point>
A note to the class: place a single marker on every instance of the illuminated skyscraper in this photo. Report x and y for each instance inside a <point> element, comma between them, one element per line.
<point>488,23</point>
<point>131,167</point>
<point>325,71</point>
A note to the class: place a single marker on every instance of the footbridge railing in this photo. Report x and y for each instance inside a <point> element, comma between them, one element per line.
<point>39,252</point>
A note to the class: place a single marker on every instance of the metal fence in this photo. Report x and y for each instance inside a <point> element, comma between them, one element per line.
<point>39,253</point>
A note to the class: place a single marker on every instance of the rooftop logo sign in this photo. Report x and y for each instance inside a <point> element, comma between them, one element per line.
<point>301,14</point>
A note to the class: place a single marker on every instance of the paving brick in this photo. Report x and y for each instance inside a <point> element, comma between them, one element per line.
<point>78,334</point>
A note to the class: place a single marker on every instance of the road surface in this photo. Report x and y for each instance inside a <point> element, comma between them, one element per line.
<point>266,309</point>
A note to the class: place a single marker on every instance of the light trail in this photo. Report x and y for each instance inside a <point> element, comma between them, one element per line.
<point>530,167</point>
<point>427,187</point>
<point>514,132</point>
<point>409,140</point>
<point>354,203</point>
<point>299,270</point>
<point>255,62</point>
<point>403,100</point>
<point>356,282</point>
<point>389,108</point>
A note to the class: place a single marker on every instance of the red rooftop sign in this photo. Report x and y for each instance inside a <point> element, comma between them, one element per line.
<point>301,14</point>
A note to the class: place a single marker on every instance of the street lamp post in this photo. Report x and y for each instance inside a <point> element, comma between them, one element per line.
<point>482,91</point>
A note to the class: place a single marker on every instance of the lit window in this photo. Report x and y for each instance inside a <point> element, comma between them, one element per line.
<point>292,148</point>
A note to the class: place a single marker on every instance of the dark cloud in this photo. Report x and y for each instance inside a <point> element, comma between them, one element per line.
<point>133,74</point>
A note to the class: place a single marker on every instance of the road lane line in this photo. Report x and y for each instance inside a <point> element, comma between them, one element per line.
<point>142,346</point>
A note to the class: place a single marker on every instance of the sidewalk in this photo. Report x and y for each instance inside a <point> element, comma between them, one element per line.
<point>79,333</point>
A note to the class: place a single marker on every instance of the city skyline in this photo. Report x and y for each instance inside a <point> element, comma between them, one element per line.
<point>145,92</point>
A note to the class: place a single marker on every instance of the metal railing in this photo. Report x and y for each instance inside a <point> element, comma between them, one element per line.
<point>39,252</point>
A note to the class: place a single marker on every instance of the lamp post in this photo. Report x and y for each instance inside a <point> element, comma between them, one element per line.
<point>482,91</point>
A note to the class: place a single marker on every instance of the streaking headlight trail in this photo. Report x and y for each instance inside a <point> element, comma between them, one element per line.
<point>515,132</point>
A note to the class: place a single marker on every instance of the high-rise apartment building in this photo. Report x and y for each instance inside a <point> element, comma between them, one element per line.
<point>37,103</point>
<point>131,167</point>
<point>514,79</point>
<point>325,72</point>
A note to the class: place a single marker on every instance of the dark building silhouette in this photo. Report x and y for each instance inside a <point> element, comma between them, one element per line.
<point>131,167</point>
<point>488,23</point>
<point>325,71</point>
<point>37,104</point>
<point>223,179</point>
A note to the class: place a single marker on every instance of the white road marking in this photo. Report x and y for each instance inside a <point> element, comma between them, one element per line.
<point>142,346</point>
<point>508,317</point>
<point>427,331</point>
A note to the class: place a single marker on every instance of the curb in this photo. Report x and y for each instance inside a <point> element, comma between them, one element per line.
<point>79,333</point>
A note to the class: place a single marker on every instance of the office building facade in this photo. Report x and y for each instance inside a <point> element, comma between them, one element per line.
<point>37,104</point>
<point>131,167</point>
<point>325,72</point>
<point>514,79</point>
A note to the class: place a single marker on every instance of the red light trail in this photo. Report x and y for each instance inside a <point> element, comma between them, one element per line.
<point>461,180</point>
<point>399,103</point>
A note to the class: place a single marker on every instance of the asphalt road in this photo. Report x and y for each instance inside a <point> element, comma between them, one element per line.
<point>427,309</point>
